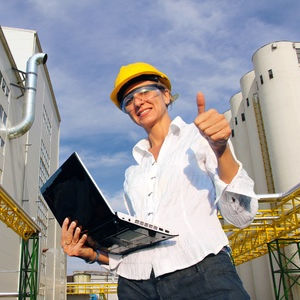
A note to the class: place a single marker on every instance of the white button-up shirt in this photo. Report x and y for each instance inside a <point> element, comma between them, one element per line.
<point>182,191</point>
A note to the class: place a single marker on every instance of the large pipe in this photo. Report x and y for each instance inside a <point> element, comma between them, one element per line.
<point>29,97</point>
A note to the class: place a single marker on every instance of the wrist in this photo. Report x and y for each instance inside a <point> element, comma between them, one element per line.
<point>95,259</point>
<point>219,147</point>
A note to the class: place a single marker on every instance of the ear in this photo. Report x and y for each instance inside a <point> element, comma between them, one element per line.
<point>167,97</point>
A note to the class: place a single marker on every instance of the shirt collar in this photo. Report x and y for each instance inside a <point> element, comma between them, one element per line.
<point>141,148</point>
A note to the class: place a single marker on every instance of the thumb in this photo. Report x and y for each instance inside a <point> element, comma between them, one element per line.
<point>200,102</point>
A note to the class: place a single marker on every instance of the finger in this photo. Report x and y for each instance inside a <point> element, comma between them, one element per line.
<point>72,227</point>
<point>64,230</point>
<point>200,102</point>
<point>76,235</point>
<point>207,119</point>
<point>68,236</point>
<point>219,126</point>
<point>82,240</point>
<point>220,137</point>
<point>65,224</point>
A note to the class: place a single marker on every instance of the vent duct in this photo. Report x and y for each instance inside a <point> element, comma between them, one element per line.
<point>29,97</point>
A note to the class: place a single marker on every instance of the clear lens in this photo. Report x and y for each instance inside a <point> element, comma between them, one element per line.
<point>145,92</point>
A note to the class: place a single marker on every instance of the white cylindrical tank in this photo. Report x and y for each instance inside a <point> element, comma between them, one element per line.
<point>240,136</point>
<point>81,277</point>
<point>248,89</point>
<point>228,117</point>
<point>277,72</point>
<point>249,153</point>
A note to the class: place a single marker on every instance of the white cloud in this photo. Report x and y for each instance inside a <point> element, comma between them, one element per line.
<point>85,109</point>
<point>194,18</point>
<point>57,9</point>
<point>64,152</point>
<point>94,160</point>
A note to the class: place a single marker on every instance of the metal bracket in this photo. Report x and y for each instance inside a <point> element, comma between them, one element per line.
<point>21,73</point>
<point>23,77</point>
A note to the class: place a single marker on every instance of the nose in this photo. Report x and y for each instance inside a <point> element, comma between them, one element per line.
<point>138,101</point>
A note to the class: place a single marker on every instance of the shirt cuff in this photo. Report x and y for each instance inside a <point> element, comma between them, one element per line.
<point>237,201</point>
<point>240,184</point>
<point>114,261</point>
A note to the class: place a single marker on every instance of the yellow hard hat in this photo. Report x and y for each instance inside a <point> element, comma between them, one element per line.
<point>131,71</point>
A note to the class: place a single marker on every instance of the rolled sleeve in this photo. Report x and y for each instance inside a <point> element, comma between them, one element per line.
<point>114,261</point>
<point>237,201</point>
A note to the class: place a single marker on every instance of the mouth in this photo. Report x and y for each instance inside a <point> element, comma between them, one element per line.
<point>143,112</point>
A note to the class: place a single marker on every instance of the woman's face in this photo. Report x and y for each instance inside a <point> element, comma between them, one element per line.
<point>146,111</point>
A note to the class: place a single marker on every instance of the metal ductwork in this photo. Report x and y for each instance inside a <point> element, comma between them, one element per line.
<point>29,97</point>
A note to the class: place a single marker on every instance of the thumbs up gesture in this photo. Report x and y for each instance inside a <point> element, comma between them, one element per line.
<point>213,126</point>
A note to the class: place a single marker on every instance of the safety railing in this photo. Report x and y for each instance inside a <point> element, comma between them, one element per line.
<point>15,217</point>
<point>280,220</point>
<point>88,288</point>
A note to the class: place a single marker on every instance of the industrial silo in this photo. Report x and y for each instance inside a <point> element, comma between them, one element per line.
<point>239,133</point>
<point>277,70</point>
<point>252,117</point>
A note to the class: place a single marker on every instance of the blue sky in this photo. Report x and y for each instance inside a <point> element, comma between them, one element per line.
<point>201,45</point>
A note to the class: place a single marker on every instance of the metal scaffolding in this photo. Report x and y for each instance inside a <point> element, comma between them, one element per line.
<point>284,256</point>
<point>273,225</point>
<point>28,281</point>
<point>16,218</point>
<point>280,220</point>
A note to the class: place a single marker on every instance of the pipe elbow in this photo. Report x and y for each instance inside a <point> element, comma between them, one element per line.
<point>29,97</point>
<point>38,58</point>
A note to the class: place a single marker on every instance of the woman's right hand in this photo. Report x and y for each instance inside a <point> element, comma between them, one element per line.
<point>73,244</point>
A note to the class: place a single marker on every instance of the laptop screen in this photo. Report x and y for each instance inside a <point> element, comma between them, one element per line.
<point>71,193</point>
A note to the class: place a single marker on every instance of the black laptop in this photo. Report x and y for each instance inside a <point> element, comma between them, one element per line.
<point>72,192</point>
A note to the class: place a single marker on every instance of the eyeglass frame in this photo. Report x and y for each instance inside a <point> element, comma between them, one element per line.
<point>152,87</point>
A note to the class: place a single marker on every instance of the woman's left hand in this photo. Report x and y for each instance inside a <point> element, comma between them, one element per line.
<point>213,126</point>
<point>73,243</point>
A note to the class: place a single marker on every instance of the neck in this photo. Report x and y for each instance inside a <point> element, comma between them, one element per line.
<point>157,134</point>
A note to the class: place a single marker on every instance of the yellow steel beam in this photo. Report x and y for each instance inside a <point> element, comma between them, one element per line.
<point>85,288</point>
<point>15,217</point>
<point>281,220</point>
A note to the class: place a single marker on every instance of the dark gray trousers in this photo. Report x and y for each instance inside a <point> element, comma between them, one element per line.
<point>213,278</point>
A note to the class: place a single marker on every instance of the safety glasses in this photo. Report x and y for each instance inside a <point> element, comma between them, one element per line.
<point>144,93</point>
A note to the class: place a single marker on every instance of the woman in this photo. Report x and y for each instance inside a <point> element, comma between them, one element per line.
<point>184,174</point>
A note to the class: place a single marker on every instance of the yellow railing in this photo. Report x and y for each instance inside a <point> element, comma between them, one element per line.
<point>14,216</point>
<point>280,220</point>
<point>75,288</point>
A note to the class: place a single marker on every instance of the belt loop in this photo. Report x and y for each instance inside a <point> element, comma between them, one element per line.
<point>227,250</point>
<point>198,267</point>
